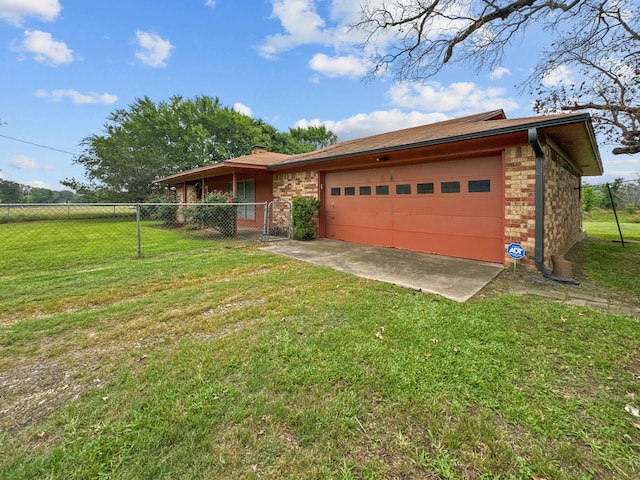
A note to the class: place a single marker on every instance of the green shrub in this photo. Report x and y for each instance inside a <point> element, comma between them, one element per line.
<point>167,212</point>
<point>304,208</point>
<point>213,212</point>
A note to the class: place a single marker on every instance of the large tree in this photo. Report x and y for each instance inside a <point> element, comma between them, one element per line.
<point>598,39</point>
<point>10,192</point>
<point>149,140</point>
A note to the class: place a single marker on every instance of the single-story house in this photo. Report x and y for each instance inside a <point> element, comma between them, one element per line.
<point>465,188</point>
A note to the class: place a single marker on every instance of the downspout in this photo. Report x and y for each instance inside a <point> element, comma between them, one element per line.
<point>534,141</point>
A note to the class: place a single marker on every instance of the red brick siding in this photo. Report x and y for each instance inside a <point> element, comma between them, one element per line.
<point>563,210</point>
<point>520,210</point>
<point>287,186</point>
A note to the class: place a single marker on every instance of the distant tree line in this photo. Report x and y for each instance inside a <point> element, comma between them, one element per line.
<point>12,192</point>
<point>625,195</point>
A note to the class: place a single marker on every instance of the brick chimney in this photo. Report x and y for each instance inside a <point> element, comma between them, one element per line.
<point>258,149</point>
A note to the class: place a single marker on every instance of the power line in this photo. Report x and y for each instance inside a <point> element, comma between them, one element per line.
<point>38,145</point>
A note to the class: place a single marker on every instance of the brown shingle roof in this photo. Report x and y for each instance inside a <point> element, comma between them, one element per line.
<point>401,138</point>
<point>574,129</point>
<point>260,159</point>
<point>474,126</point>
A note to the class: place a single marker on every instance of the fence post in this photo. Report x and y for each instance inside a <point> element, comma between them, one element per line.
<point>138,227</point>
<point>265,222</point>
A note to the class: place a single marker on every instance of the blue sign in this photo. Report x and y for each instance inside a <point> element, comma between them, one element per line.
<point>515,251</point>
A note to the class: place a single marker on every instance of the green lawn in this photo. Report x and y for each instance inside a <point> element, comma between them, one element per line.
<point>203,361</point>
<point>609,230</point>
<point>602,224</point>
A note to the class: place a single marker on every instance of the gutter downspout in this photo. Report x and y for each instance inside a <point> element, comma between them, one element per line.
<point>534,141</point>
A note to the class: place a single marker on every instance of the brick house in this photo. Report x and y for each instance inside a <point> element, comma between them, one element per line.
<point>466,187</point>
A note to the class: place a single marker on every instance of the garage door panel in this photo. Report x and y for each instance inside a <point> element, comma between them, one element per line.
<point>486,249</point>
<point>468,222</point>
<point>375,220</point>
<point>439,224</point>
<point>465,206</point>
<point>365,235</point>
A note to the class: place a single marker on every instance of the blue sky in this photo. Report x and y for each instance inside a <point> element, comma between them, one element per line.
<point>66,64</point>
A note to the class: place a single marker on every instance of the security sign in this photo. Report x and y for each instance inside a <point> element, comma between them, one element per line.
<point>515,251</point>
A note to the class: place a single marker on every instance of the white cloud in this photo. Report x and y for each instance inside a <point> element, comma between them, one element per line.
<point>15,12</point>
<point>153,50</point>
<point>44,48</point>
<point>499,72</point>
<point>77,97</point>
<point>460,97</point>
<point>418,105</point>
<point>559,75</point>
<point>365,124</point>
<point>345,66</point>
<point>210,3</point>
<point>301,23</point>
<point>22,162</point>
<point>242,109</point>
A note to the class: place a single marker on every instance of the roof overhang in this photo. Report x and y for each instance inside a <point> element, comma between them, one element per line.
<point>578,141</point>
<point>216,170</point>
<point>573,133</point>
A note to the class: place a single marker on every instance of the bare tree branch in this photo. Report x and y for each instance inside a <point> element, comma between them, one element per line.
<point>600,39</point>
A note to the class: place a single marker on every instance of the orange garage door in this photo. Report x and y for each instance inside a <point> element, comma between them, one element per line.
<point>450,208</point>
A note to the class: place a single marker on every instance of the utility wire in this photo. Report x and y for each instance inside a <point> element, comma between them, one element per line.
<point>38,145</point>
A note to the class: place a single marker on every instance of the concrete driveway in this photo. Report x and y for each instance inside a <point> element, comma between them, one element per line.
<point>453,278</point>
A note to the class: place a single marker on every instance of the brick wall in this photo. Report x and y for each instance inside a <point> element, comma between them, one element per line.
<point>519,192</point>
<point>563,210</point>
<point>563,207</point>
<point>287,186</point>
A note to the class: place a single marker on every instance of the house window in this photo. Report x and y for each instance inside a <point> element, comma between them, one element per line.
<point>425,188</point>
<point>404,189</point>
<point>479,186</point>
<point>365,190</point>
<point>382,189</point>
<point>450,187</point>
<point>335,191</point>
<point>246,190</point>
<point>349,190</point>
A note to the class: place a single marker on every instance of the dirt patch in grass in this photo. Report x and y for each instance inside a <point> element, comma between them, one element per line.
<point>31,389</point>
<point>31,392</point>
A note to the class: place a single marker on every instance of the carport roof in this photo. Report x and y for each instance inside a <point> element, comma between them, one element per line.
<point>573,132</point>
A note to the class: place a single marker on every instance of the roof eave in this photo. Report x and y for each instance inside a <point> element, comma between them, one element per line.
<point>540,124</point>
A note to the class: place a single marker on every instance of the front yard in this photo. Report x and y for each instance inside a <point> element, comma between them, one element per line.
<point>234,363</point>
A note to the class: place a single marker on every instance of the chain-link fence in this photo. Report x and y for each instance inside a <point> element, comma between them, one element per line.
<point>141,228</point>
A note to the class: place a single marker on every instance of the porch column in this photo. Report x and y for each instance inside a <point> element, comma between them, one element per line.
<point>235,184</point>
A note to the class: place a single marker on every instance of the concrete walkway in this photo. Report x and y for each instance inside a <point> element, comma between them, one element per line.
<point>583,296</point>
<point>453,278</point>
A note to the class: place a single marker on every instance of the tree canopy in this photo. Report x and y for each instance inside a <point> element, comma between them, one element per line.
<point>149,140</point>
<point>599,39</point>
